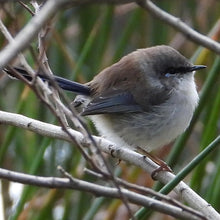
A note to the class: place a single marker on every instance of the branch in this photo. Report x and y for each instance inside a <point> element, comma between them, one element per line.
<point>59,109</point>
<point>143,191</point>
<point>98,190</point>
<point>24,37</point>
<point>53,131</point>
<point>30,31</point>
<point>179,25</point>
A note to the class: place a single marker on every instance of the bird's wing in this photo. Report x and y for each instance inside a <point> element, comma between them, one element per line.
<point>122,102</point>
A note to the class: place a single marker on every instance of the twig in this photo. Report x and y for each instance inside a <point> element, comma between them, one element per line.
<point>60,108</point>
<point>27,8</point>
<point>180,26</point>
<point>25,36</point>
<point>34,85</point>
<point>148,191</point>
<point>98,190</point>
<point>23,39</point>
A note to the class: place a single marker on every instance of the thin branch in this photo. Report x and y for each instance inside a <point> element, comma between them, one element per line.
<point>27,34</point>
<point>37,85</point>
<point>60,108</point>
<point>30,31</point>
<point>26,7</point>
<point>179,25</point>
<point>97,190</point>
<point>146,191</point>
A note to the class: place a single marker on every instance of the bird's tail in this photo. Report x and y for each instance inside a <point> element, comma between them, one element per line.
<point>65,84</point>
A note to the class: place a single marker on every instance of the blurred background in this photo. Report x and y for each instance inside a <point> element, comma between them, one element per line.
<point>81,41</point>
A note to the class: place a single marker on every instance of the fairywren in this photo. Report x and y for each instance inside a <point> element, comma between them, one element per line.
<point>144,100</point>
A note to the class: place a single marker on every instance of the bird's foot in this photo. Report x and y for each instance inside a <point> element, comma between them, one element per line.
<point>162,165</point>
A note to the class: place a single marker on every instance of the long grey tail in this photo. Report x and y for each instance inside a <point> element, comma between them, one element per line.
<point>65,84</point>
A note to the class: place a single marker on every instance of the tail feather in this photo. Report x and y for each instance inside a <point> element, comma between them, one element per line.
<point>65,84</point>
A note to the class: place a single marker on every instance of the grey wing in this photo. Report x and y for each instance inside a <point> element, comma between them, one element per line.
<point>117,103</point>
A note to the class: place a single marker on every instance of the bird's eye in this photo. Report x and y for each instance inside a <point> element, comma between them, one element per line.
<point>170,72</point>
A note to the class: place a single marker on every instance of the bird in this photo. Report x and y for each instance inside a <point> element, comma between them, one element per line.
<point>143,101</point>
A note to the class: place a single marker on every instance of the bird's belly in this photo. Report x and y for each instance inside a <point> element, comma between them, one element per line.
<point>145,130</point>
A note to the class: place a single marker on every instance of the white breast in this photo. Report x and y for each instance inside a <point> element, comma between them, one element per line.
<point>183,101</point>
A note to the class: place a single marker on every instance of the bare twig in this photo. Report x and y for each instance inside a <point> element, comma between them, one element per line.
<point>25,36</point>
<point>47,93</point>
<point>146,191</point>
<point>23,39</point>
<point>98,190</point>
<point>59,109</point>
<point>26,7</point>
<point>180,26</point>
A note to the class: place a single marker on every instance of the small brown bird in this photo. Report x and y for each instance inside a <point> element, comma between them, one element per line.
<point>144,100</point>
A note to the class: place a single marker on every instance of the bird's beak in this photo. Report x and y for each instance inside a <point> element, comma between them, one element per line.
<point>197,67</point>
